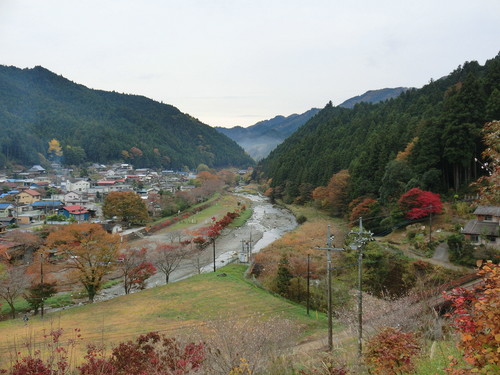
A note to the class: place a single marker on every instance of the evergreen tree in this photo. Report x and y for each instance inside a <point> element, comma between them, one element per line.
<point>37,295</point>
<point>283,277</point>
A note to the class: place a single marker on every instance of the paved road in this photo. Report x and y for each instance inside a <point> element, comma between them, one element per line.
<point>441,253</point>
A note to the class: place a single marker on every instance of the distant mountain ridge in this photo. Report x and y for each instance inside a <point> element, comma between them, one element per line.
<point>374,96</point>
<point>37,106</point>
<point>260,139</point>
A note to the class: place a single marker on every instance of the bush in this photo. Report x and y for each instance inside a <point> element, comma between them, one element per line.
<point>151,353</point>
<point>301,219</point>
<point>58,217</point>
<point>460,250</point>
<point>391,351</point>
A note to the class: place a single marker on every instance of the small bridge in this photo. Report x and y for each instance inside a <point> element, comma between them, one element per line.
<point>436,297</point>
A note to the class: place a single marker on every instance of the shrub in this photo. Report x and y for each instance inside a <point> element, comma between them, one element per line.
<point>475,317</point>
<point>391,351</point>
<point>301,219</point>
<point>151,353</point>
<point>460,250</point>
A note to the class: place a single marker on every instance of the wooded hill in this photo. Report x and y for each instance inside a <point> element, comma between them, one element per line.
<point>436,129</point>
<point>37,106</point>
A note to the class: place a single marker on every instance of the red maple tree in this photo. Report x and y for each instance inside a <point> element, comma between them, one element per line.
<point>416,203</point>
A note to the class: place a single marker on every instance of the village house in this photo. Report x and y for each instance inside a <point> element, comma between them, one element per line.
<point>77,212</point>
<point>29,217</point>
<point>6,221</point>
<point>36,170</point>
<point>80,186</point>
<point>47,205</point>
<point>27,196</point>
<point>6,209</point>
<point>485,228</point>
<point>73,197</point>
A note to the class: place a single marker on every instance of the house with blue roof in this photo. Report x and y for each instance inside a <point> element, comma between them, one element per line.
<point>47,205</point>
<point>6,209</point>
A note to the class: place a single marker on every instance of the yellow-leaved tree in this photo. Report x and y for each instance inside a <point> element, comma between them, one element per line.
<point>91,252</point>
<point>55,149</point>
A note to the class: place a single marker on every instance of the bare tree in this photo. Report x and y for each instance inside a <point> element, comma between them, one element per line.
<point>13,282</point>
<point>27,242</point>
<point>167,258</point>
<point>195,258</point>
<point>174,235</point>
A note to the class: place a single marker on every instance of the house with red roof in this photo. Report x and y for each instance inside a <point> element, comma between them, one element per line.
<point>79,213</point>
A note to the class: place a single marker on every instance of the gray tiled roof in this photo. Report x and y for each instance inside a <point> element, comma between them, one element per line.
<point>481,227</point>
<point>487,210</point>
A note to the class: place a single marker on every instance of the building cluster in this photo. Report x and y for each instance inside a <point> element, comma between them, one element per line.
<point>33,196</point>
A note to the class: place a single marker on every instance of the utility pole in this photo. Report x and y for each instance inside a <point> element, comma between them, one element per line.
<point>359,242</point>
<point>308,280</point>
<point>243,250</point>
<point>430,224</point>
<point>329,249</point>
<point>213,243</point>
<point>41,284</point>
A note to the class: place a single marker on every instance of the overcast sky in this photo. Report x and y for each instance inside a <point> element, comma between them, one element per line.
<point>236,62</point>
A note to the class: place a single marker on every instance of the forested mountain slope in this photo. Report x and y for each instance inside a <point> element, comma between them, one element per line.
<point>37,105</point>
<point>438,127</point>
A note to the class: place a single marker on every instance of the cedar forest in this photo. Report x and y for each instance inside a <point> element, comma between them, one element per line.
<point>426,138</point>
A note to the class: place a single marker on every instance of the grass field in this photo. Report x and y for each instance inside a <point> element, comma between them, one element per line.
<point>227,203</point>
<point>175,308</point>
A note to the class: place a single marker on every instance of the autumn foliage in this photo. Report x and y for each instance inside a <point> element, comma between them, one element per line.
<point>391,352</point>
<point>476,316</point>
<point>134,268</point>
<point>127,206</point>
<point>152,353</point>
<point>334,195</point>
<point>416,203</point>
<point>363,207</point>
<point>91,252</point>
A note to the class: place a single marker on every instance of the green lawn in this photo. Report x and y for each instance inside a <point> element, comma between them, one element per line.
<point>228,203</point>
